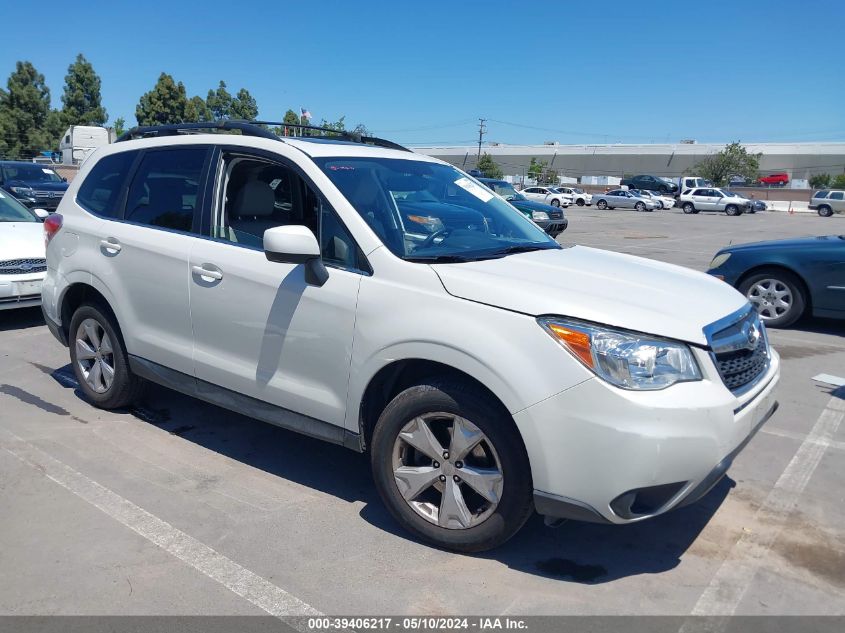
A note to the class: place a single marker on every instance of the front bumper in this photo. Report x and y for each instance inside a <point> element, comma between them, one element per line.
<point>603,454</point>
<point>20,291</point>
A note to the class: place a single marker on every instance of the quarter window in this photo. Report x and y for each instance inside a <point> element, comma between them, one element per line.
<point>165,189</point>
<point>100,191</point>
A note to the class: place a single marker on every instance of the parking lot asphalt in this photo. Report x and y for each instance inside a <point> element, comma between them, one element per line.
<point>178,507</point>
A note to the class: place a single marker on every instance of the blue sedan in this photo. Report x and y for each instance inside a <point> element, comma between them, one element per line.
<point>784,279</point>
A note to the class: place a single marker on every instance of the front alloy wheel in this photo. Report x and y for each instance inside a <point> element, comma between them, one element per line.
<point>777,295</point>
<point>447,470</point>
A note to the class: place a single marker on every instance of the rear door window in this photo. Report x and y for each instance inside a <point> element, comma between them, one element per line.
<point>165,190</point>
<point>837,195</point>
<point>100,191</point>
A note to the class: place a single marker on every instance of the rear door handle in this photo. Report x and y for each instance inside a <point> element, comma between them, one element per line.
<point>111,244</point>
<point>210,273</point>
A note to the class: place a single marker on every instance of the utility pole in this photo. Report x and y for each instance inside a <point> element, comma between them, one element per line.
<point>481,131</point>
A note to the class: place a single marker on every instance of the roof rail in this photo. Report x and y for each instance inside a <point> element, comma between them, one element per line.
<point>172,129</point>
<point>346,135</point>
<point>253,128</point>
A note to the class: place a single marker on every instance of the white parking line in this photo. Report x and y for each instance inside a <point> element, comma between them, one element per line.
<point>728,586</point>
<point>771,430</point>
<point>259,591</point>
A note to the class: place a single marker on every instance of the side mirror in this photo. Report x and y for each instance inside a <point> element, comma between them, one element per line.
<point>64,179</point>
<point>296,244</point>
<point>41,213</point>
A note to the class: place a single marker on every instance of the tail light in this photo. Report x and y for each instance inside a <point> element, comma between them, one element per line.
<point>52,224</point>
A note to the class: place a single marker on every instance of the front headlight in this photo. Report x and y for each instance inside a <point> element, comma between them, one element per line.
<point>21,191</point>
<point>629,360</point>
<point>539,215</point>
<point>720,259</point>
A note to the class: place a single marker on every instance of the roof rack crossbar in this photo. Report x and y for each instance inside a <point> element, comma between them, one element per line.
<point>253,128</point>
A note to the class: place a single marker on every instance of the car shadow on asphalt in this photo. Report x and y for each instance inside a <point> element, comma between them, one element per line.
<point>574,552</point>
<point>20,319</point>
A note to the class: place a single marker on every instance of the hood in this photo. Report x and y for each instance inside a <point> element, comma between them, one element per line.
<point>532,205</point>
<point>39,185</point>
<point>601,286</point>
<point>21,240</point>
<point>798,242</point>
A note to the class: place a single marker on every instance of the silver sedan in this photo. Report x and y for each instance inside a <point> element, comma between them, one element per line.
<point>624,200</point>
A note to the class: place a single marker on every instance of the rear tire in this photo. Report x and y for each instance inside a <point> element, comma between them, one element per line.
<point>688,208</point>
<point>440,501</point>
<point>765,287</point>
<point>601,204</point>
<point>825,211</point>
<point>99,359</point>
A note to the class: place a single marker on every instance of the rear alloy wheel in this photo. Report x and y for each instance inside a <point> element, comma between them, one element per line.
<point>555,202</point>
<point>451,467</point>
<point>688,208</point>
<point>601,204</point>
<point>825,211</point>
<point>777,295</point>
<point>733,210</point>
<point>640,206</point>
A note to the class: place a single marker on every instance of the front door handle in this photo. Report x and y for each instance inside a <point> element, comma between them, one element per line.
<point>111,244</point>
<point>210,273</point>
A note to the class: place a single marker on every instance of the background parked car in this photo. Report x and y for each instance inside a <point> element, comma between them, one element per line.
<point>827,202</point>
<point>550,219</point>
<point>713,199</point>
<point>22,260</point>
<point>754,205</point>
<point>785,278</point>
<point>549,195</point>
<point>32,184</point>
<point>650,183</point>
<point>775,180</point>
<point>579,196</point>
<point>624,199</point>
<point>692,182</point>
<point>662,201</point>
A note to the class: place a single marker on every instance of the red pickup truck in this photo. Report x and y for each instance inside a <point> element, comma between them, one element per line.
<point>774,179</point>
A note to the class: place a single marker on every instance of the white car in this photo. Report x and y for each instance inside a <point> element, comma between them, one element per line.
<point>22,262</point>
<point>713,199</point>
<point>660,201</point>
<point>549,195</point>
<point>579,196</point>
<point>624,199</point>
<point>385,301</point>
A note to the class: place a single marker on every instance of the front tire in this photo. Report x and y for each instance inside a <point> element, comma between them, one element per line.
<point>825,211</point>
<point>777,295</point>
<point>99,359</point>
<point>451,467</point>
<point>732,210</point>
<point>580,202</point>
<point>601,204</point>
<point>688,208</point>
<point>555,202</point>
<point>639,206</point>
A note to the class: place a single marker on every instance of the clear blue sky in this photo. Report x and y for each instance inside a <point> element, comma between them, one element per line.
<point>424,71</point>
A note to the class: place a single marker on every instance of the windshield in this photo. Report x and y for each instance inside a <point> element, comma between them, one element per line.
<point>13,211</point>
<point>424,211</point>
<point>31,173</point>
<point>506,190</point>
<point>577,190</point>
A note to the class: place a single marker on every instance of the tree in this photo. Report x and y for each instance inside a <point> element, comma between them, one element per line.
<point>197,110</point>
<point>219,102</point>
<point>24,110</point>
<point>165,103</point>
<point>734,160</point>
<point>488,167</point>
<point>820,181</point>
<point>81,98</point>
<point>838,182</point>
<point>119,126</point>
<point>244,106</point>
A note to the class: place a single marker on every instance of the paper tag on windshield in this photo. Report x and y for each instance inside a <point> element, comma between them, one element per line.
<point>478,191</point>
<point>47,171</point>
<point>1,195</point>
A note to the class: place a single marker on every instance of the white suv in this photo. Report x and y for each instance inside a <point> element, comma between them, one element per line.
<point>386,301</point>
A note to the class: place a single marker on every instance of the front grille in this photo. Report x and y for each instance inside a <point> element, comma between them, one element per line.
<point>49,194</point>
<point>740,350</point>
<point>22,266</point>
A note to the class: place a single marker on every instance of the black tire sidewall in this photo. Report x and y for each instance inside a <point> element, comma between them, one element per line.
<point>688,208</point>
<point>116,395</point>
<point>555,203</point>
<point>825,212</point>
<point>601,204</point>
<point>516,503</point>
<point>799,302</point>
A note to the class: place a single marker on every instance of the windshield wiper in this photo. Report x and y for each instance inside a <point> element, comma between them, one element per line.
<point>440,259</point>
<point>521,248</point>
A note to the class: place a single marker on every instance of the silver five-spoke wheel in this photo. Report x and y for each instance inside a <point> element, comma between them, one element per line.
<point>771,297</point>
<point>447,470</point>
<point>94,355</point>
